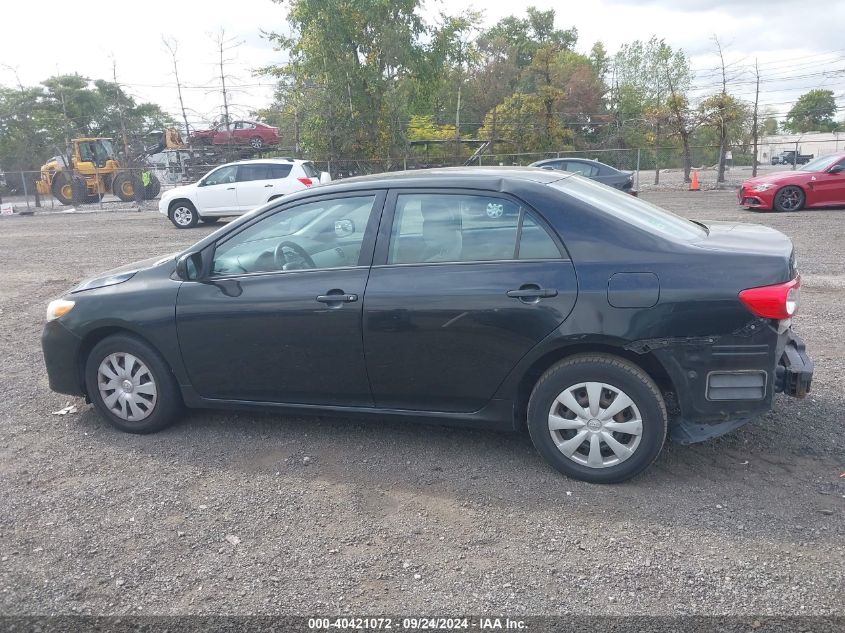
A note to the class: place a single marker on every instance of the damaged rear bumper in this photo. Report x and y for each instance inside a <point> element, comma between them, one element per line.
<point>794,371</point>
<point>723,382</point>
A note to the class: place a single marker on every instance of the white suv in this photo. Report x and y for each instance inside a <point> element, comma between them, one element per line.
<point>236,188</point>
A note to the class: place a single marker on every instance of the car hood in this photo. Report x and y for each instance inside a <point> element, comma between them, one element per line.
<point>183,190</point>
<point>780,177</point>
<point>127,270</point>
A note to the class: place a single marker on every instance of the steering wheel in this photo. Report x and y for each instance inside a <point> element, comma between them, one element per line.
<point>281,259</point>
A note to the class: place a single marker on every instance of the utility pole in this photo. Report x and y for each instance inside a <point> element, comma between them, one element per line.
<point>223,84</point>
<point>659,113</point>
<point>173,46</point>
<point>119,109</point>
<point>223,46</point>
<point>754,130</point>
<point>137,182</point>
<point>67,132</point>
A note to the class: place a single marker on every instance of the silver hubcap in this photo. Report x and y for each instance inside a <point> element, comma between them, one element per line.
<point>183,216</point>
<point>495,210</point>
<point>126,386</point>
<point>595,424</point>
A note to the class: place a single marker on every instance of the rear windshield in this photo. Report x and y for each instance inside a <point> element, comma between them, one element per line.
<point>310,170</point>
<point>630,209</point>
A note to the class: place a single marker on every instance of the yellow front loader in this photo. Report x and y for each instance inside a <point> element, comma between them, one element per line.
<point>91,172</point>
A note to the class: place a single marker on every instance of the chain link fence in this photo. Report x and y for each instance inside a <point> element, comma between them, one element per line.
<point>140,187</point>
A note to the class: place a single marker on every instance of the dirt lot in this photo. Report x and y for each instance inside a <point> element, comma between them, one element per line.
<point>242,513</point>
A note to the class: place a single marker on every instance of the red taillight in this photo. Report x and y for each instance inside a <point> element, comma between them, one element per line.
<point>306,181</point>
<point>773,302</point>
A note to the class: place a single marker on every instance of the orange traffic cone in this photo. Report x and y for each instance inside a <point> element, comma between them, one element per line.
<point>693,186</point>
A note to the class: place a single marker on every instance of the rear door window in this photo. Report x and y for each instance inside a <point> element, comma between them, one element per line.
<point>254,172</point>
<point>535,242</point>
<point>585,169</point>
<point>430,228</point>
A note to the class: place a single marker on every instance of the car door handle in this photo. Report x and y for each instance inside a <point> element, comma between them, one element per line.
<point>531,291</point>
<point>337,298</point>
<point>230,188</point>
<point>268,185</point>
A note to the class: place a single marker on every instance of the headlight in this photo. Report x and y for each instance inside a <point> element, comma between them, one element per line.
<point>58,308</point>
<point>764,187</point>
<point>102,282</point>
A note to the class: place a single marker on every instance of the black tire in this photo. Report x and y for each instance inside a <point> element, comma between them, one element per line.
<point>790,198</point>
<point>168,403</point>
<point>152,190</point>
<point>68,189</point>
<point>124,186</point>
<point>183,214</point>
<point>209,220</point>
<point>256,142</point>
<point>620,374</point>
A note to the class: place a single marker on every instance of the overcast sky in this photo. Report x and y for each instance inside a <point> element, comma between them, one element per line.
<point>799,45</point>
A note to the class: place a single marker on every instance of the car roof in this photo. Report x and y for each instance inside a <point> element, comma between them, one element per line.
<point>283,161</point>
<point>576,159</point>
<point>482,177</point>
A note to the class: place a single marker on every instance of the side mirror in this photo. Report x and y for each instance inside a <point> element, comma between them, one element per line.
<point>345,227</point>
<point>188,266</point>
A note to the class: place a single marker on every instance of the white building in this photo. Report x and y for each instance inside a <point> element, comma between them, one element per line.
<point>815,143</point>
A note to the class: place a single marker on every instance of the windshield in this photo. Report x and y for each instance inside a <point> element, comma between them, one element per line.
<point>820,164</point>
<point>630,209</point>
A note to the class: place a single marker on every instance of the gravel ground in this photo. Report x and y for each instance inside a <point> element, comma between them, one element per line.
<point>244,513</point>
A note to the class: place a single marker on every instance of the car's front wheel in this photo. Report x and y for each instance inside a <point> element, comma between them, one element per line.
<point>183,214</point>
<point>790,198</point>
<point>131,385</point>
<point>598,418</point>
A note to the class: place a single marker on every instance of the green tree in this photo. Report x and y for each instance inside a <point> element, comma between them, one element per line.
<point>770,126</point>
<point>348,57</point>
<point>35,121</point>
<point>520,38</point>
<point>813,112</point>
<point>675,67</point>
<point>521,119</point>
<point>723,114</point>
<point>649,96</point>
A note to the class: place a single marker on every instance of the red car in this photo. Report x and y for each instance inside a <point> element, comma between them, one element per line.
<point>819,183</point>
<point>252,133</point>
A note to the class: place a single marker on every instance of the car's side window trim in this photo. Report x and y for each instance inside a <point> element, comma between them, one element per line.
<point>385,231</point>
<point>365,257</point>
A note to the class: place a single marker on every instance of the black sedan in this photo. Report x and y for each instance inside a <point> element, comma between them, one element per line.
<point>592,169</point>
<point>597,320</point>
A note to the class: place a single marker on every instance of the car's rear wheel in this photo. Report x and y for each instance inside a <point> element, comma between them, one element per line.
<point>598,418</point>
<point>256,142</point>
<point>183,214</point>
<point>790,198</point>
<point>131,385</point>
